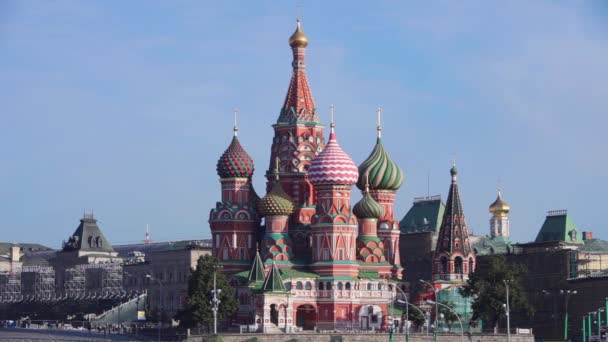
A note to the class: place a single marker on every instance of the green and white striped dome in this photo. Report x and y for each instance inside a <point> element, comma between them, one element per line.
<point>368,208</point>
<point>383,173</point>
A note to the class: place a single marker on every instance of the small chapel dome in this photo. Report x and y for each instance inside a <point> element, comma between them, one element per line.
<point>499,206</point>
<point>235,162</point>
<point>298,39</point>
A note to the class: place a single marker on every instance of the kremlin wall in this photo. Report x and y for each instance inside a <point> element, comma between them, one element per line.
<point>303,257</point>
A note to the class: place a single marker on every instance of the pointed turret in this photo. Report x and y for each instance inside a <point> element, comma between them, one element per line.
<point>256,273</point>
<point>454,259</point>
<point>299,104</point>
<point>274,281</point>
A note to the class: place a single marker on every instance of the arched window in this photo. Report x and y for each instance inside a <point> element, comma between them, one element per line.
<point>308,286</point>
<point>328,285</point>
<point>340,286</point>
<point>379,287</point>
<point>321,286</point>
<point>458,265</point>
<point>471,265</point>
<point>288,286</point>
<point>369,286</point>
<point>299,285</point>
<point>347,286</point>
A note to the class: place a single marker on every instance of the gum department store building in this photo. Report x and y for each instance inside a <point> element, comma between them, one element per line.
<point>316,260</point>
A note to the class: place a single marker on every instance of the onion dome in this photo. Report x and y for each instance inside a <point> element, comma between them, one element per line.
<point>333,165</point>
<point>298,39</point>
<point>368,208</point>
<point>384,173</point>
<point>235,162</point>
<point>276,202</point>
<point>499,206</point>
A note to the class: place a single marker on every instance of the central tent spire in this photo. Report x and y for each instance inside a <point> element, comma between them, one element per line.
<point>299,105</point>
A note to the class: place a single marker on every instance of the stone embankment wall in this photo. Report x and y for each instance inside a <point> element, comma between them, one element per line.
<point>308,337</point>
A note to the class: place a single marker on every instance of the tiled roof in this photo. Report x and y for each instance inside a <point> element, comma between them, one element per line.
<point>424,216</point>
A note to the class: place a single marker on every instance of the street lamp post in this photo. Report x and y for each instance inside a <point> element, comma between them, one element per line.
<point>452,310</point>
<point>215,302</point>
<point>599,323</point>
<point>435,331</point>
<point>584,329</point>
<point>590,325</point>
<point>407,315</point>
<point>567,295</point>
<point>160,302</point>
<point>508,311</point>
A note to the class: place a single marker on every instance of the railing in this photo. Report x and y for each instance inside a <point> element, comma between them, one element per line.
<point>343,293</point>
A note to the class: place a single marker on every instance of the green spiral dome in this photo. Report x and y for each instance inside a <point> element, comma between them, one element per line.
<point>383,173</point>
<point>276,202</point>
<point>368,208</point>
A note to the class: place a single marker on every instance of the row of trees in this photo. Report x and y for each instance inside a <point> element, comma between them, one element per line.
<point>486,286</point>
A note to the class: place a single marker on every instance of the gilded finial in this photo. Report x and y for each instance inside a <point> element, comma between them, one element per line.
<point>298,39</point>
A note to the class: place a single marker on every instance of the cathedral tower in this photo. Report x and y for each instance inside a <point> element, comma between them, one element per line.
<point>334,227</point>
<point>234,221</point>
<point>499,223</point>
<point>276,207</point>
<point>298,139</point>
<point>454,259</point>
<point>385,178</point>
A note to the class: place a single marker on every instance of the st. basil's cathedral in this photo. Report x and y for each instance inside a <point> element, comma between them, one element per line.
<point>316,261</point>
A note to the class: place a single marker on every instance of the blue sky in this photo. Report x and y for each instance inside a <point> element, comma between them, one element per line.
<point>123,107</point>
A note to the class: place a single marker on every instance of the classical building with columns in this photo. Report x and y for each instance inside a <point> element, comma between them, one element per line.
<point>303,257</point>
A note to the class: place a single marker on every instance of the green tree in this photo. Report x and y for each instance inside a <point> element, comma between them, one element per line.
<point>416,317</point>
<point>198,308</point>
<point>448,315</point>
<point>487,287</point>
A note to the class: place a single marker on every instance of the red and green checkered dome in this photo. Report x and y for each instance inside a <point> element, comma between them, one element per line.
<point>235,162</point>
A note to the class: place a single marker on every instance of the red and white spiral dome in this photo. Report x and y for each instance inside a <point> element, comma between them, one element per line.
<point>333,166</point>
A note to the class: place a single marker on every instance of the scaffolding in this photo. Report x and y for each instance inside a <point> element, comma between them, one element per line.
<point>10,287</point>
<point>74,284</point>
<point>43,282</point>
<point>111,280</point>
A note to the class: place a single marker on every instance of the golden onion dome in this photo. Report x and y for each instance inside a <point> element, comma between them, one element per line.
<point>499,206</point>
<point>298,39</point>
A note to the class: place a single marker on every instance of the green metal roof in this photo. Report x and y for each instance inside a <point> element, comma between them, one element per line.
<point>273,281</point>
<point>425,215</point>
<point>594,246</point>
<point>488,246</point>
<point>558,227</point>
<point>88,237</point>
<point>256,274</point>
<point>368,274</point>
<point>288,273</point>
